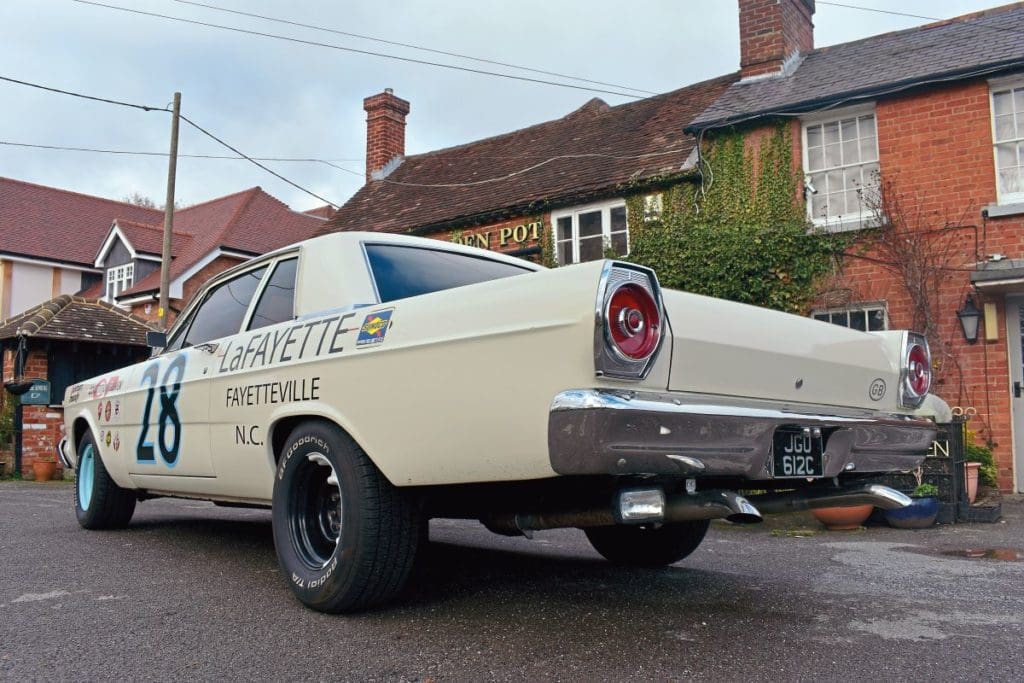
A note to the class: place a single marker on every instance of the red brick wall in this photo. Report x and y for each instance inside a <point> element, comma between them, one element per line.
<point>935,148</point>
<point>771,31</point>
<point>40,424</point>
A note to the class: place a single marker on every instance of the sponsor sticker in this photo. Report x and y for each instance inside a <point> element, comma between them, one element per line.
<point>108,438</point>
<point>117,441</point>
<point>374,327</point>
<point>106,412</point>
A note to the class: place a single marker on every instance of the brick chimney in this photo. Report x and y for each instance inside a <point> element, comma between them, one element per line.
<point>385,130</point>
<point>772,32</point>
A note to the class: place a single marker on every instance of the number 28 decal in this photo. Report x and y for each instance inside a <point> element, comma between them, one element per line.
<point>168,420</point>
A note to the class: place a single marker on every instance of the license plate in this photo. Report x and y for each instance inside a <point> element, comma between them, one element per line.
<point>797,454</point>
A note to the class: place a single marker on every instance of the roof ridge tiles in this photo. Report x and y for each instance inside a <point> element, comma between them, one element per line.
<point>216,199</point>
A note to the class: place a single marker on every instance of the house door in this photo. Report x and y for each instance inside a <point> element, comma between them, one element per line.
<point>1015,347</point>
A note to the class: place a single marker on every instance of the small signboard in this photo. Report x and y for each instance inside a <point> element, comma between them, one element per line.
<point>38,394</point>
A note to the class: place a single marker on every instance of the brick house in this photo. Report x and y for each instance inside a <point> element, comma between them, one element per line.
<point>62,341</point>
<point>926,128</point>
<point>934,115</point>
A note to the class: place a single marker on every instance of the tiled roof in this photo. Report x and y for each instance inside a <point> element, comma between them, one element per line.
<point>251,222</point>
<point>594,149</point>
<point>979,43</point>
<point>74,318</point>
<point>325,211</point>
<point>57,225</point>
<point>149,238</point>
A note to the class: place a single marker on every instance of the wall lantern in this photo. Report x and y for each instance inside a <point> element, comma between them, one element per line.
<point>970,316</point>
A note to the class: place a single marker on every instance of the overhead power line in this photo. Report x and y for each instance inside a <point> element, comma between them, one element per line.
<point>409,45</point>
<point>183,118</point>
<point>972,21</point>
<point>127,152</point>
<point>370,53</point>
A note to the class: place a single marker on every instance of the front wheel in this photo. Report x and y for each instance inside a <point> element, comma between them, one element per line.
<point>99,502</point>
<point>648,546</point>
<point>345,537</point>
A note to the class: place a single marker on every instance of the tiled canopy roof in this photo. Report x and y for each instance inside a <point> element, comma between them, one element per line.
<point>594,149</point>
<point>73,318</point>
<point>979,44</point>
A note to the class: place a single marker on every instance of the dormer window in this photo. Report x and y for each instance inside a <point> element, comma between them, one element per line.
<point>119,278</point>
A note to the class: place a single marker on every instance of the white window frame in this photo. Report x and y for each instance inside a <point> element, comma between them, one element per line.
<point>866,307</point>
<point>606,224</point>
<point>995,86</point>
<point>119,278</point>
<point>863,218</point>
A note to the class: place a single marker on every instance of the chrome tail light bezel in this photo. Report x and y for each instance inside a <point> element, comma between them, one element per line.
<point>908,396</point>
<point>609,360</point>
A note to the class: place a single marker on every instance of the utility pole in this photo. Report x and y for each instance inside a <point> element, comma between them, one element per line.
<point>165,255</point>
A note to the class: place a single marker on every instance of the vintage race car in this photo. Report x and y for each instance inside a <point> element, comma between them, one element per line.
<point>360,384</point>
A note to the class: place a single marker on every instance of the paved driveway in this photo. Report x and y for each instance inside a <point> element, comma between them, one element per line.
<point>191,590</point>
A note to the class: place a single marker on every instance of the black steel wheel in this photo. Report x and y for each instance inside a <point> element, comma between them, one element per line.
<point>345,537</point>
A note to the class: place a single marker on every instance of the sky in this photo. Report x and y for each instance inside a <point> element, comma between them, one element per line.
<point>274,98</point>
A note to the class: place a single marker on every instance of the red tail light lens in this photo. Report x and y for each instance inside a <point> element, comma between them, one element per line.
<point>633,321</point>
<point>919,370</point>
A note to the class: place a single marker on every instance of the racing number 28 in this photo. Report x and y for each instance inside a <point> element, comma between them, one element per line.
<point>168,412</point>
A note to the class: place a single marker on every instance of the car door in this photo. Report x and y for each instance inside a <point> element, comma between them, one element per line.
<point>170,394</point>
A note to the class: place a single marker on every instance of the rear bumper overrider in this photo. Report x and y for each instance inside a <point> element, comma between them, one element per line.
<point>595,431</point>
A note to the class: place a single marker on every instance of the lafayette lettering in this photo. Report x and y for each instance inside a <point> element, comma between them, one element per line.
<point>299,341</point>
<point>267,393</point>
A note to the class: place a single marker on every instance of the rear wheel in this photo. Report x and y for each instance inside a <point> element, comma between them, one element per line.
<point>648,546</point>
<point>99,502</point>
<point>345,537</point>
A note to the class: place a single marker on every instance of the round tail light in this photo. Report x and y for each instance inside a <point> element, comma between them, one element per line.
<point>634,321</point>
<point>919,370</point>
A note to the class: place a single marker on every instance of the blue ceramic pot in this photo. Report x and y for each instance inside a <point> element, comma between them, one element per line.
<point>920,514</point>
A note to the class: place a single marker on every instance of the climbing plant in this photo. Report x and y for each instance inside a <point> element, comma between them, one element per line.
<point>743,234</point>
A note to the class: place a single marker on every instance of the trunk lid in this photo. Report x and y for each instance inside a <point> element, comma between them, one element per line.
<point>731,349</point>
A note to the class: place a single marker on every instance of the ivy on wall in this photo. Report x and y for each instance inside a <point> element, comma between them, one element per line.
<point>743,236</point>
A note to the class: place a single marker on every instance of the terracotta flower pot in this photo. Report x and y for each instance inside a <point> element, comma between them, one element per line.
<point>843,519</point>
<point>971,480</point>
<point>44,469</point>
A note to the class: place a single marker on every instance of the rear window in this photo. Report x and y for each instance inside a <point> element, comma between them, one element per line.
<point>402,272</point>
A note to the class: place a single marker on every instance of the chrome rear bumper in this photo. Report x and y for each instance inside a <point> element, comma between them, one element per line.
<point>592,431</point>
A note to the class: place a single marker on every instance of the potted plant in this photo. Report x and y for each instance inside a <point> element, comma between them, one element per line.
<point>44,467</point>
<point>979,466</point>
<point>921,512</point>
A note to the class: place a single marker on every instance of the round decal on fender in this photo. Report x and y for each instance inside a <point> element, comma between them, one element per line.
<point>877,389</point>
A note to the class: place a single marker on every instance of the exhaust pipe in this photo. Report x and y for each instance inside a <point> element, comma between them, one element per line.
<point>713,504</point>
<point>874,494</point>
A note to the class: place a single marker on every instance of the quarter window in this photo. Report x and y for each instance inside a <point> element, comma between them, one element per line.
<point>841,168</point>
<point>119,278</point>
<point>223,309</point>
<point>1008,138</point>
<point>401,272</point>
<point>864,318</point>
<point>588,233</point>
<point>277,302</point>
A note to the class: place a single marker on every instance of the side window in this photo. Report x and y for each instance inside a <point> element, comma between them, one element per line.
<point>402,272</point>
<point>277,303</point>
<point>223,309</point>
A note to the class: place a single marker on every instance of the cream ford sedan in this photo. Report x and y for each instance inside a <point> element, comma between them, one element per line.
<point>360,384</point>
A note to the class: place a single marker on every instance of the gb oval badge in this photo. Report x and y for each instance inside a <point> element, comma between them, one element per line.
<point>877,389</point>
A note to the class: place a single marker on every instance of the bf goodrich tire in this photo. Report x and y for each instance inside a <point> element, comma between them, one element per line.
<point>643,546</point>
<point>99,502</point>
<point>345,537</point>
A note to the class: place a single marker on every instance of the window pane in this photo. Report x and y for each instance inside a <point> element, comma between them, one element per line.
<point>859,320</point>
<point>565,228</point>
<point>840,318</point>
<point>619,243</point>
<point>831,133</point>
<point>876,320</point>
<point>833,155</point>
<point>591,249</point>
<point>837,204</point>
<point>851,152</point>
<point>618,218</point>
<point>590,223</point>
<point>823,317</point>
<point>813,137</point>
<point>1002,102</point>
<point>1018,99</point>
<point>815,159</point>
<point>819,205</point>
<point>1010,181</point>
<point>868,149</point>
<point>1006,156</point>
<point>222,312</point>
<point>1005,128</point>
<point>848,129</point>
<point>277,302</point>
<point>402,272</point>
<point>867,126</point>
<point>564,252</point>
